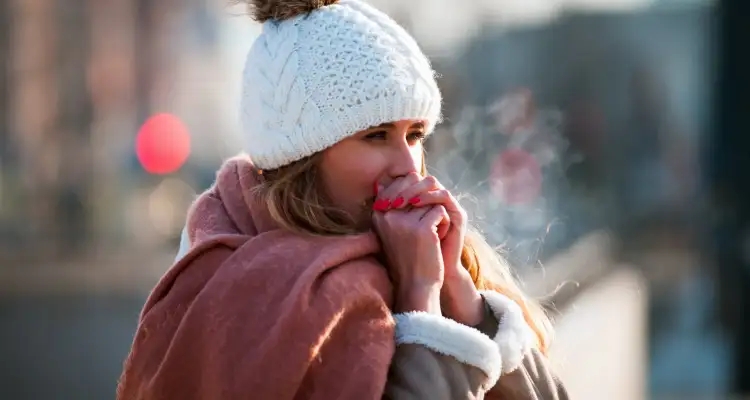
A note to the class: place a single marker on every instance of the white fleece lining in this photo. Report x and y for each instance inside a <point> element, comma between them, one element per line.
<point>184,244</point>
<point>514,336</point>
<point>450,338</point>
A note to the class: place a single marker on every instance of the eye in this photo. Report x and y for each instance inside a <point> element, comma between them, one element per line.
<point>377,135</point>
<point>417,136</point>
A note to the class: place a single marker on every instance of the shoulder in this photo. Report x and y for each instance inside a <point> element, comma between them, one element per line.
<point>359,280</point>
<point>194,268</point>
<point>278,268</point>
<point>278,265</point>
<point>228,277</point>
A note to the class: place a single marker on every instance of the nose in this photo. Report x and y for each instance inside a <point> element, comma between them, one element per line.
<point>404,159</point>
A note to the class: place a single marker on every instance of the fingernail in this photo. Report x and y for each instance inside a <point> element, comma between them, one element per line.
<point>386,204</point>
<point>398,202</point>
<point>414,200</point>
<point>380,205</point>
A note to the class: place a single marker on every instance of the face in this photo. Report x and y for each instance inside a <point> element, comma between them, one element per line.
<point>350,168</point>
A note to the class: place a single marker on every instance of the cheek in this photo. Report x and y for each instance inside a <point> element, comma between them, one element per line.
<point>348,177</point>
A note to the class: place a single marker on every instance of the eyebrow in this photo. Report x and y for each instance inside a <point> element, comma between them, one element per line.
<point>418,124</point>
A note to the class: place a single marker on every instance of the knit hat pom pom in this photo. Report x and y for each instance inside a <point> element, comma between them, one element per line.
<point>263,10</point>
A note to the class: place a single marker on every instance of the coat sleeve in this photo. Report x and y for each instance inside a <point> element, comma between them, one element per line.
<point>532,380</point>
<point>423,368</point>
<point>438,358</point>
<point>420,373</point>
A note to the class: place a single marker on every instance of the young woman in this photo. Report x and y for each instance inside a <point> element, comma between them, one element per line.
<point>325,263</point>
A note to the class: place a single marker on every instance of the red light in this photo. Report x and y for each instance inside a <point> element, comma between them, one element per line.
<point>162,144</point>
<point>516,177</point>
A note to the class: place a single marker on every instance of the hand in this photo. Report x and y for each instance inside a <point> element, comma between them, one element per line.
<point>412,248</point>
<point>460,299</point>
<point>409,186</point>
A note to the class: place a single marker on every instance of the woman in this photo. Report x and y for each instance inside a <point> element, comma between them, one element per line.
<point>326,263</point>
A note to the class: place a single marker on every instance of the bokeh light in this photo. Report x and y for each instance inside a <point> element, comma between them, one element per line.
<point>162,144</point>
<point>167,204</point>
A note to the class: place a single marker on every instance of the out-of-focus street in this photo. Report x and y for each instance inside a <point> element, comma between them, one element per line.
<point>598,143</point>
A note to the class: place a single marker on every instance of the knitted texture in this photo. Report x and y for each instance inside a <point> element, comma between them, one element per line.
<point>315,79</point>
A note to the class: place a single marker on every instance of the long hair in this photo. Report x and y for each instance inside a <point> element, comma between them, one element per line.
<point>296,202</point>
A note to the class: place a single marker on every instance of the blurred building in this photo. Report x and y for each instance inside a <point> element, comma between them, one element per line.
<point>617,108</point>
<point>79,79</point>
<point>562,117</point>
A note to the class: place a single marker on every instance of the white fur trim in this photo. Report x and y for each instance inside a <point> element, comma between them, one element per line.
<point>184,244</point>
<point>451,338</point>
<point>514,336</point>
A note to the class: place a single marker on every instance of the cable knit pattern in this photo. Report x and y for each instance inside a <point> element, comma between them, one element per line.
<point>316,79</point>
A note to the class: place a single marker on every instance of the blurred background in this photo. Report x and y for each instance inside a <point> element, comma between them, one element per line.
<point>602,143</point>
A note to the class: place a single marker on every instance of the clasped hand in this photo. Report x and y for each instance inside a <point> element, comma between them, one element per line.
<point>422,228</point>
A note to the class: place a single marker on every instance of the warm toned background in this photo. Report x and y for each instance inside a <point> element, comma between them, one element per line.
<point>600,143</point>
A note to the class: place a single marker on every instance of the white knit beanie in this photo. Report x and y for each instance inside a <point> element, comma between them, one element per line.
<point>323,70</point>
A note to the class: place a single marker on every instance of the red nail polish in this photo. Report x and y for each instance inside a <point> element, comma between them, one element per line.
<point>398,202</point>
<point>386,204</point>
<point>380,205</point>
<point>414,200</point>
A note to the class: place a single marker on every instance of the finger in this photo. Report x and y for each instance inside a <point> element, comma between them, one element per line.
<point>377,221</point>
<point>417,214</point>
<point>444,198</point>
<point>394,218</point>
<point>388,195</point>
<point>414,214</point>
<point>442,228</point>
<point>409,195</point>
<point>437,220</point>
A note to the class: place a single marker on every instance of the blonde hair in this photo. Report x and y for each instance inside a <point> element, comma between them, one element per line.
<point>293,197</point>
